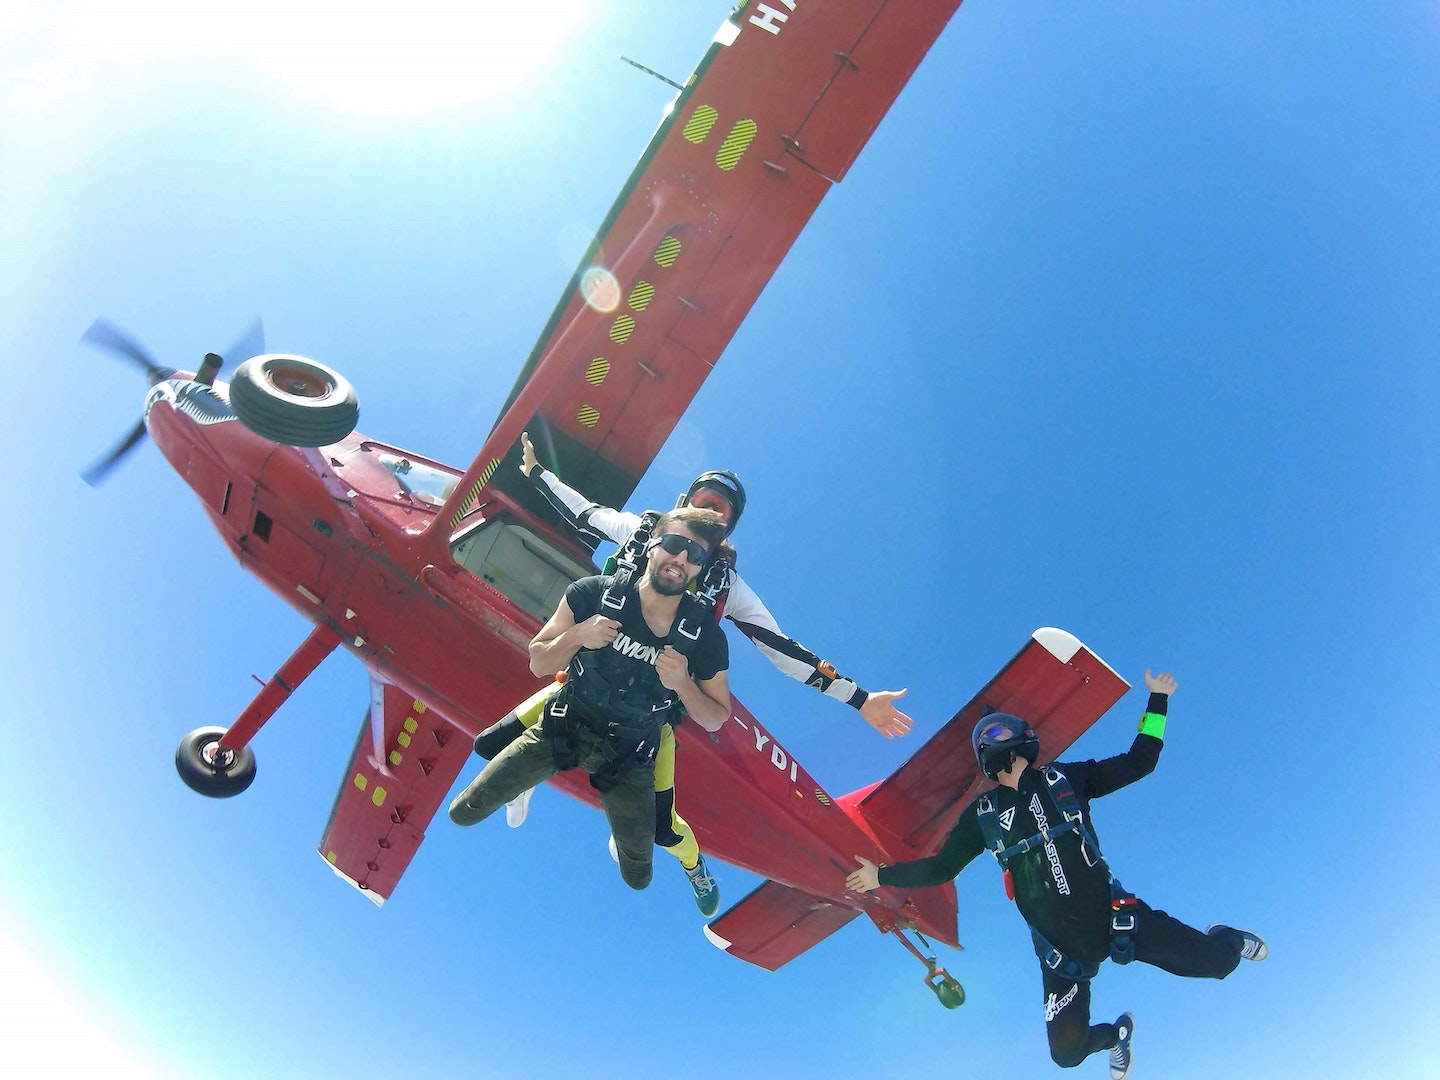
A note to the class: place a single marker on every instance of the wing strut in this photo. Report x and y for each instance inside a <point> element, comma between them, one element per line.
<point>315,648</point>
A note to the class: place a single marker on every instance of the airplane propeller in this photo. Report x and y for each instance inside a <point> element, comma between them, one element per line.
<point>103,335</point>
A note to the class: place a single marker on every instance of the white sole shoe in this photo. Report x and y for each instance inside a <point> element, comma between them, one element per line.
<point>518,809</point>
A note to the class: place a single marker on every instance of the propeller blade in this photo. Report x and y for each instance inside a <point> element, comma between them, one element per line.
<point>250,343</point>
<point>104,336</point>
<point>101,469</point>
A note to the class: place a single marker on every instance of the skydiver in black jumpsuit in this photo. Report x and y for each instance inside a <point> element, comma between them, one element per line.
<point>1065,897</point>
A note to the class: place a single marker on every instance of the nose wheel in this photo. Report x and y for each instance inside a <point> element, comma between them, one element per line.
<point>211,769</point>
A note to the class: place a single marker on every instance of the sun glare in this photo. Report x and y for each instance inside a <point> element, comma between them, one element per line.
<point>377,58</point>
<point>47,1029</point>
<point>415,57</point>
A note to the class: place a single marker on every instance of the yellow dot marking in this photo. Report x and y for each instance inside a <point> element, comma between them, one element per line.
<point>623,328</point>
<point>596,372</point>
<point>419,706</point>
<point>700,123</point>
<point>395,757</point>
<point>668,251</point>
<point>379,797</point>
<point>641,295</point>
<point>361,782</point>
<point>403,739</point>
<point>735,144</point>
<point>588,416</point>
<point>410,724</point>
<point>331,858</point>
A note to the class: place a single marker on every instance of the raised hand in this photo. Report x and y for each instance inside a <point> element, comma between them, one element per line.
<point>1164,683</point>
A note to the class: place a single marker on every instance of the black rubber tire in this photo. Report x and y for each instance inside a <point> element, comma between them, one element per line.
<point>293,400</point>
<point>214,781</point>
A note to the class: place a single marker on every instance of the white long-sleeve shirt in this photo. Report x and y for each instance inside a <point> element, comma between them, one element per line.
<point>742,607</point>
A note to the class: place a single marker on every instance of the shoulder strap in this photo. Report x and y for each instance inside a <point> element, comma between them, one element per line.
<point>702,606</point>
<point>1068,803</point>
<point>627,563</point>
<point>989,818</point>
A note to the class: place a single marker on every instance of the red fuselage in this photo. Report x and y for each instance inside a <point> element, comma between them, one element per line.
<point>355,550</point>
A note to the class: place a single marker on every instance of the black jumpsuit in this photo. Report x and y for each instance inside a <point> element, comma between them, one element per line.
<point>1068,901</point>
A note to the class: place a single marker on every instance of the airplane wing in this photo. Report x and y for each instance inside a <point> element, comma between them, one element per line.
<point>775,924</point>
<point>1055,683</point>
<point>405,759</point>
<point>781,104</point>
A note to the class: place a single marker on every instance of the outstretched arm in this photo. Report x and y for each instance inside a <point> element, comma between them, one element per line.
<point>754,620</point>
<point>585,517</point>
<point>960,847</point>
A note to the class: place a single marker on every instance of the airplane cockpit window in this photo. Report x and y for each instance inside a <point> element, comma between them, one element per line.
<point>423,483</point>
<point>518,564</point>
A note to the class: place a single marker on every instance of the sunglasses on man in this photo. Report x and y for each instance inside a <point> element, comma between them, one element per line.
<point>676,544</point>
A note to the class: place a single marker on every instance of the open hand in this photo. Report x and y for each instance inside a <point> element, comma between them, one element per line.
<point>866,879</point>
<point>880,713</point>
<point>1164,683</point>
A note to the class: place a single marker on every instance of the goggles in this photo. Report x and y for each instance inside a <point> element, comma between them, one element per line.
<point>998,730</point>
<point>708,499</point>
<point>676,544</point>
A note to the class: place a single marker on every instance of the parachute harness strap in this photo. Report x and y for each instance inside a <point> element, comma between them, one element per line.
<point>1122,903</point>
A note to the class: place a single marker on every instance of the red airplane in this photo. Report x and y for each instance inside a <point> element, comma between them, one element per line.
<point>437,579</point>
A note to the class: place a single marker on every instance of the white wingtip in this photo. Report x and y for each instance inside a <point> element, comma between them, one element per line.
<point>1060,644</point>
<point>716,940</point>
<point>1063,645</point>
<point>369,894</point>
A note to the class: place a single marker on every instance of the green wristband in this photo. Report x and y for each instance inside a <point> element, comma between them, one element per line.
<point>1153,723</point>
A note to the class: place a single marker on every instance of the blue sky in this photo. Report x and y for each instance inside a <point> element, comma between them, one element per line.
<point>1125,322</point>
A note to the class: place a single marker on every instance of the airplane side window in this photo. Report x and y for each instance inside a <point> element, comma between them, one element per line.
<point>522,567</point>
<point>420,481</point>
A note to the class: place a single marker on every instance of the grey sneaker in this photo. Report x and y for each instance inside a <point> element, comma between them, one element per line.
<point>1120,1053</point>
<point>518,808</point>
<point>1254,947</point>
<point>707,889</point>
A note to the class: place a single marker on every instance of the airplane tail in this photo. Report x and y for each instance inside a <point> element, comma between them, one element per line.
<point>1054,683</point>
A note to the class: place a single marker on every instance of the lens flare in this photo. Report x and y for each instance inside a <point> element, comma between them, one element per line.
<point>600,289</point>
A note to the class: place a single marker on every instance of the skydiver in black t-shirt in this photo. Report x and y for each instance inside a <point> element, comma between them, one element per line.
<point>627,674</point>
<point>1078,914</point>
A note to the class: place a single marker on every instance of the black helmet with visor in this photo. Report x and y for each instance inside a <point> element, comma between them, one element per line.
<point>999,738</point>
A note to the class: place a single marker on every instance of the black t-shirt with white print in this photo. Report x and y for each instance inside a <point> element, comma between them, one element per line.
<point>636,643</point>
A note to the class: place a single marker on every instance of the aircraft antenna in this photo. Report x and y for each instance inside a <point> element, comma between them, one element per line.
<point>652,71</point>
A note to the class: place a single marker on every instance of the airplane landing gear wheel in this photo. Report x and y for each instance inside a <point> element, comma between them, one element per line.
<point>211,770</point>
<point>294,401</point>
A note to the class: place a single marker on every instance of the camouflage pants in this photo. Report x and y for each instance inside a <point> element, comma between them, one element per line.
<point>530,760</point>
